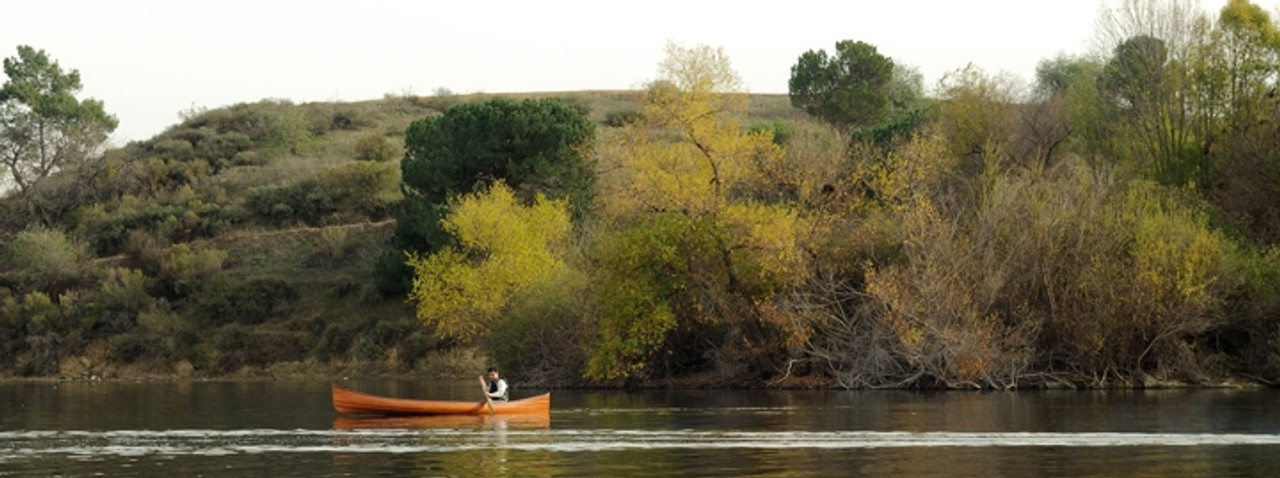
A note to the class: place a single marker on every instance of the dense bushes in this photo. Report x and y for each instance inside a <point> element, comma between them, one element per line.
<point>164,308</point>
<point>238,346</point>
<point>341,194</point>
<point>224,300</point>
<point>540,340</point>
<point>375,147</point>
<point>1067,276</point>
<point>48,260</point>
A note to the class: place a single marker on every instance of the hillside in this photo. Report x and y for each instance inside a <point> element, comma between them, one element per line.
<point>239,242</point>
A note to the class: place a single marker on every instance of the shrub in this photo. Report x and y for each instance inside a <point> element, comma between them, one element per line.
<point>621,118</point>
<point>336,339</point>
<point>224,146</point>
<point>334,246</point>
<point>139,346</point>
<point>540,337</point>
<point>583,107</point>
<point>406,336</point>
<point>349,119</point>
<point>188,268</point>
<point>238,346</point>
<point>781,130</point>
<point>443,98</point>
<point>125,290</point>
<point>355,190</point>
<point>226,300</point>
<point>248,158</point>
<point>48,259</point>
<point>146,251</point>
<point>43,352</point>
<point>277,126</point>
<point>392,272</point>
<point>361,187</point>
<point>375,147</point>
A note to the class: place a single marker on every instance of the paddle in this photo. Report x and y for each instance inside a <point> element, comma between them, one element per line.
<point>485,389</point>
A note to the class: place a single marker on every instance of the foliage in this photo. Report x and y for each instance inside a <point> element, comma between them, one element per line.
<point>225,300</point>
<point>44,128</point>
<point>374,147</point>
<point>1057,75</point>
<point>356,190</point>
<point>620,118</point>
<point>1117,226</point>
<point>975,112</point>
<point>503,249</point>
<point>1160,90</point>
<point>183,216</point>
<point>697,247</point>
<point>240,346</point>
<point>847,89</point>
<point>536,147</point>
<point>540,339</point>
<point>187,268</point>
<point>48,259</point>
<point>1068,275</point>
<point>1250,45</point>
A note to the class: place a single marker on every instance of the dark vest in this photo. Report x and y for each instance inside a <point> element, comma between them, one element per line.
<point>493,388</point>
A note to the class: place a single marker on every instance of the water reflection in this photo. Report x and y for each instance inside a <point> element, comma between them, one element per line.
<point>289,429</point>
<point>494,422</point>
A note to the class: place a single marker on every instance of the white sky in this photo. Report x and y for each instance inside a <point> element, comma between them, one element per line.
<point>147,60</point>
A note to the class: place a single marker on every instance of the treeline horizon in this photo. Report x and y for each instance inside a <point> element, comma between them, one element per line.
<point>1116,225</point>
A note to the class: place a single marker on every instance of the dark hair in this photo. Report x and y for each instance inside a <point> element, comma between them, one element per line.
<point>492,370</point>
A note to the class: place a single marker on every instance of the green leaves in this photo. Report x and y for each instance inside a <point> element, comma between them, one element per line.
<point>43,127</point>
<point>535,146</point>
<point>848,90</point>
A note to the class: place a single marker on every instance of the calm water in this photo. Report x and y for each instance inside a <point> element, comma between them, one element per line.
<point>246,429</point>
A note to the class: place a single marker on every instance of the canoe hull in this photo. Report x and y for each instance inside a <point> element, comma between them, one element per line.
<point>351,402</point>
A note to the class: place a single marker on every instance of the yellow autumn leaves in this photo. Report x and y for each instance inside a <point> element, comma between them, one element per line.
<point>503,249</point>
<point>677,235</point>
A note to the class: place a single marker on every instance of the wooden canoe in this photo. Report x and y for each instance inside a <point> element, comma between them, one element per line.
<point>355,403</point>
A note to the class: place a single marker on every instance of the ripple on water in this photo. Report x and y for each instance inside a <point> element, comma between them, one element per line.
<point>125,443</point>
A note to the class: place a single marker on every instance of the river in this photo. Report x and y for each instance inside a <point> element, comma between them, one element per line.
<point>288,428</point>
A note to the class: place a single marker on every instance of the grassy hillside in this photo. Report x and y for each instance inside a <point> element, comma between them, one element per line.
<point>239,241</point>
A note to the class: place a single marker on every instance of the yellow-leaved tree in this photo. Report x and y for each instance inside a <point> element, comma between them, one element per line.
<point>503,249</point>
<point>695,251</point>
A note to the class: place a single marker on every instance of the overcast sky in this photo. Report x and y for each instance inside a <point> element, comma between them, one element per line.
<point>149,60</point>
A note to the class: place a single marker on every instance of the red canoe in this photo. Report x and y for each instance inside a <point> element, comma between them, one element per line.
<point>352,402</point>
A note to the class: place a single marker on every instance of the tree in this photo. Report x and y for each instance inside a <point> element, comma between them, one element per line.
<point>1159,87</point>
<point>849,90</point>
<point>1251,44</point>
<point>692,255</point>
<point>534,146</point>
<point>1177,23</point>
<point>975,112</point>
<point>1056,76</point>
<point>1245,67</point>
<point>44,129</point>
<point>1135,77</point>
<point>504,248</point>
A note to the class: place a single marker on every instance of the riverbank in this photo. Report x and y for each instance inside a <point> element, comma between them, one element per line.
<point>467,363</point>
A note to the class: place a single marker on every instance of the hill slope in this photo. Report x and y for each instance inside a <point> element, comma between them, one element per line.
<point>239,241</point>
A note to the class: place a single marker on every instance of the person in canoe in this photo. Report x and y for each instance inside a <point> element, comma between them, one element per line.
<point>496,387</point>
